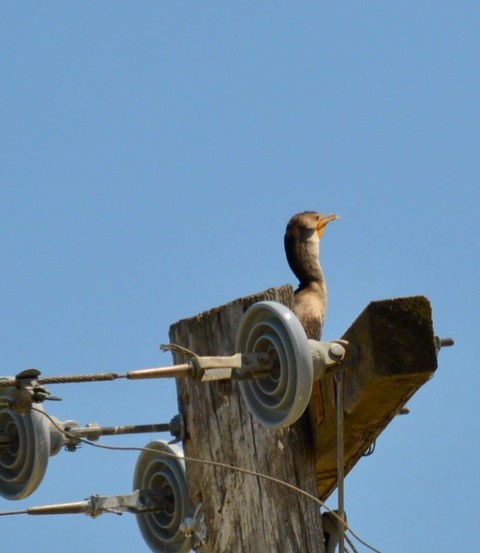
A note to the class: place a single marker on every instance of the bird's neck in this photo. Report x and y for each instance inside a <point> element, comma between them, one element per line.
<point>304,262</point>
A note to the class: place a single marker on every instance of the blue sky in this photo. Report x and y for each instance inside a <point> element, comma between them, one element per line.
<point>151,156</point>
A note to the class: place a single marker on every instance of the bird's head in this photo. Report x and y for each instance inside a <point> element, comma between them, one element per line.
<point>302,243</point>
<point>308,226</point>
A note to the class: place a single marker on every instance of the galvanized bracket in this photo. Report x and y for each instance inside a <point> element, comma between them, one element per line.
<point>24,391</point>
<point>328,356</point>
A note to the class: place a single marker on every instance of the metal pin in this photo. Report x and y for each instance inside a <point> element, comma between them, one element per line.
<point>443,342</point>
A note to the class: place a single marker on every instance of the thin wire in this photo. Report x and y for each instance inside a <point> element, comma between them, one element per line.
<point>340,472</point>
<point>215,464</point>
<point>349,541</point>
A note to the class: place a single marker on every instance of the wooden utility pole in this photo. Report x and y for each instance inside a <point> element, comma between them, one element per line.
<point>241,513</point>
<point>393,352</point>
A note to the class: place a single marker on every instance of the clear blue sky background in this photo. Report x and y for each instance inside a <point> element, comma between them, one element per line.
<point>151,155</point>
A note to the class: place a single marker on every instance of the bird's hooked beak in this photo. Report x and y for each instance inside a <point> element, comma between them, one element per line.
<point>323,222</point>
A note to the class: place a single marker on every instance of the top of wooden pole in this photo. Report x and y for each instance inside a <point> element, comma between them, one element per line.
<point>397,355</point>
<point>243,513</point>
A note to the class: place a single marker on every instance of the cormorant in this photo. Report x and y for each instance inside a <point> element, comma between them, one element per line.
<point>302,246</point>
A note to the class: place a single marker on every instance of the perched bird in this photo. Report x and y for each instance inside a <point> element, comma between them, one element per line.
<point>302,247</point>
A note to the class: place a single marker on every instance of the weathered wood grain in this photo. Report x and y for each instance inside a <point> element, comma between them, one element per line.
<point>244,514</point>
<point>397,356</point>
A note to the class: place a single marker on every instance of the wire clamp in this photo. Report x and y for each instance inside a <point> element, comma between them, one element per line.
<point>25,391</point>
<point>195,528</point>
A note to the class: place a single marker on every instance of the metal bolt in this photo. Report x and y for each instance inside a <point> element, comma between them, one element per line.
<point>336,352</point>
<point>446,342</point>
<point>443,342</point>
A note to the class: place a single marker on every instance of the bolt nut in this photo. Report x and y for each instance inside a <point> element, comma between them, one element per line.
<point>336,352</point>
